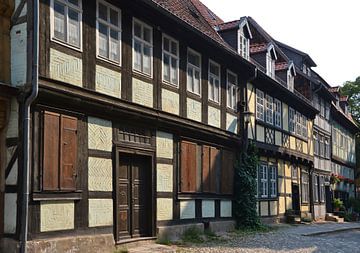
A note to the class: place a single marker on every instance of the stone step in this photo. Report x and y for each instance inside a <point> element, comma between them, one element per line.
<point>334,218</point>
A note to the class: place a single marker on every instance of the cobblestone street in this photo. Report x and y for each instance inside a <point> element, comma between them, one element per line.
<point>303,238</point>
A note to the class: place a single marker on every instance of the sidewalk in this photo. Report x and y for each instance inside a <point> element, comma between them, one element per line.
<point>323,228</point>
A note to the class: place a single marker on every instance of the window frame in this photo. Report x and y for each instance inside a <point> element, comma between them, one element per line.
<point>142,41</point>
<point>232,88</point>
<point>292,120</point>
<point>270,64</point>
<point>78,9</point>
<point>109,27</point>
<point>269,109</point>
<point>277,113</point>
<point>188,65</point>
<point>263,180</point>
<point>242,38</point>
<point>171,56</point>
<point>218,78</point>
<point>304,186</point>
<point>273,191</point>
<point>290,80</point>
<point>260,105</point>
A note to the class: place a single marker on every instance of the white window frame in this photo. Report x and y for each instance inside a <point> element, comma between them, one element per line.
<point>269,115</point>
<point>270,64</point>
<point>218,78</point>
<point>292,121</point>
<point>298,124</point>
<point>171,56</point>
<point>196,68</point>
<point>304,126</point>
<point>52,21</point>
<point>230,90</point>
<point>260,104</point>
<point>290,80</point>
<point>277,112</point>
<point>316,188</point>
<point>304,187</point>
<point>244,45</point>
<point>264,180</point>
<point>273,181</point>
<point>143,42</point>
<point>109,26</point>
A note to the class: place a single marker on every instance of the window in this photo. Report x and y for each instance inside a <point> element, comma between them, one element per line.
<point>316,188</point>
<point>290,80</point>
<point>193,71</point>
<point>316,144</point>
<point>294,172</point>
<point>263,182</point>
<point>66,21</point>
<point>59,170</point>
<point>278,113</point>
<point>291,120</point>
<point>322,189</point>
<point>304,187</point>
<point>170,60</point>
<point>273,181</point>
<point>322,107</point>
<point>269,110</point>
<point>231,88</point>
<point>327,111</point>
<point>142,47</point>
<point>298,124</point>
<point>322,145</point>
<point>214,82</point>
<point>259,105</point>
<point>327,147</point>
<point>108,32</point>
<point>244,45</point>
<point>270,65</point>
<point>304,132</point>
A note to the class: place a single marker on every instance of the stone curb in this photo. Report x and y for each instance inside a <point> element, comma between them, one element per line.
<point>331,231</point>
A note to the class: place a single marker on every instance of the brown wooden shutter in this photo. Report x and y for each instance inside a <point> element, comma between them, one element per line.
<point>51,151</point>
<point>214,165</point>
<point>188,167</point>
<point>227,172</point>
<point>68,153</point>
<point>206,169</point>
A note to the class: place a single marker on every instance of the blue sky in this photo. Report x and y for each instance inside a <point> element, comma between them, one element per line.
<point>329,31</point>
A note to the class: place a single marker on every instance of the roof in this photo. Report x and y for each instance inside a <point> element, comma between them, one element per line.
<point>208,14</point>
<point>281,66</point>
<point>257,48</point>
<point>231,24</point>
<point>305,55</point>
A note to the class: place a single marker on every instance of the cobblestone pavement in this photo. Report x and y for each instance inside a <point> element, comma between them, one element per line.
<point>286,239</point>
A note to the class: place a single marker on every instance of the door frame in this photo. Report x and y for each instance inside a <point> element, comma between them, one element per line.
<point>298,197</point>
<point>134,151</point>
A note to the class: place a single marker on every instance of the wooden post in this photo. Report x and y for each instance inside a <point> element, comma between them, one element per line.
<point>6,10</point>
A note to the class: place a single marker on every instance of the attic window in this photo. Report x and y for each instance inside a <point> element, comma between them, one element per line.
<point>193,11</point>
<point>290,80</point>
<point>270,61</point>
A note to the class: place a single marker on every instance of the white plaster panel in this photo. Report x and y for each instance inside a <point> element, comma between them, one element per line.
<point>187,209</point>
<point>164,209</point>
<point>231,123</point>
<point>164,145</point>
<point>264,208</point>
<point>100,212</point>
<point>278,138</point>
<point>170,102</point>
<point>13,125</point>
<point>57,215</point>
<point>142,92</point>
<point>260,135</point>
<point>225,208</point>
<point>214,116</point>
<point>100,134</point>
<point>273,208</point>
<point>108,81</point>
<point>23,11</point>
<point>65,68</point>
<point>100,174</point>
<point>208,208</point>
<point>10,213</point>
<point>13,176</point>
<point>193,109</point>
<point>18,36</point>
<point>164,177</point>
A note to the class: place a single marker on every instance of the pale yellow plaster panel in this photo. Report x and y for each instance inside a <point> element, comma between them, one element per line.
<point>281,167</point>
<point>278,138</point>
<point>304,208</point>
<point>170,102</point>
<point>56,215</point>
<point>231,123</point>
<point>164,177</point>
<point>288,203</point>
<point>142,93</point>
<point>285,111</point>
<point>272,160</point>
<point>292,142</point>
<point>251,130</point>
<point>305,147</point>
<point>273,207</point>
<point>260,134</point>
<point>214,118</point>
<point>193,109</point>
<point>108,81</point>
<point>264,208</point>
<point>100,212</point>
<point>65,68</point>
<point>251,97</point>
<point>99,134</point>
<point>288,186</point>
<point>282,207</point>
<point>164,209</point>
<point>187,209</point>
<point>100,174</point>
<point>281,186</point>
<point>164,145</point>
<point>287,169</point>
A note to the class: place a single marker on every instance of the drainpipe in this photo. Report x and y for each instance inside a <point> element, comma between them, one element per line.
<point>26,127</point>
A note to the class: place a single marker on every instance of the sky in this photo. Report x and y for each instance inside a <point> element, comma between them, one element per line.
<point>327,30</point>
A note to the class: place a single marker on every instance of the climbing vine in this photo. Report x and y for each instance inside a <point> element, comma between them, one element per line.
<point>245,188</point>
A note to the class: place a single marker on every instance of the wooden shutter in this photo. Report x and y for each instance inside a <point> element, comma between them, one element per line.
<point>214,166</point>
<point>51,151</point>
<point>206,187</point>
<point>227,173</point>
<point>68,153</point>
<point>188,167</point>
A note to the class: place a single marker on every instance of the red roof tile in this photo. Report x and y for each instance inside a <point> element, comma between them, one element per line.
<point>256,48</point>
<point>281,66</point>
<point>229,25</point>
<point>208,14</point>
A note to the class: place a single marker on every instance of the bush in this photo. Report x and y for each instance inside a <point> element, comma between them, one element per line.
<point>355,204</point>
<point>337,203</point>
<point>192,235</point>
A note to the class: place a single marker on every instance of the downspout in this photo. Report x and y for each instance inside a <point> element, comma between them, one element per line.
<point>26,127</point>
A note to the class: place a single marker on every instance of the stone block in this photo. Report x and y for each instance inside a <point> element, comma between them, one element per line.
<point>222,226</point>
<point>175,232</point>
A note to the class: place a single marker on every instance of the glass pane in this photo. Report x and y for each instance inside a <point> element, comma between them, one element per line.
<point>211,88</point>
<point>166,67</point>
<point>74,28</point>
<point>214,69</point>
<point>174,48</point>
<point>137,57</point>
<point>103,40</point>
<point>190,79</point>
<point>74,2</point>
<point>197,82</point>
<point>217,89</point>
<point>147,34</point>
<point>194,59</point>
<point>147,60</point>
<point>174,67</point>
<point>137,30</point>
<point>59,21</point>
<point>114,17</point>
<point>166,44</point>
<point>103,12</point>
<point>114,46</point>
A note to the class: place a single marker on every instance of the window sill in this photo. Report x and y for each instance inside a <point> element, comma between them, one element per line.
<point>45,196</point>
<point>68,45</point>
<point>191,196</point>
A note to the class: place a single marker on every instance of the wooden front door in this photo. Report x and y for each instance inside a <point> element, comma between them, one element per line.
<point>295,198</point>
<point>134,198</point>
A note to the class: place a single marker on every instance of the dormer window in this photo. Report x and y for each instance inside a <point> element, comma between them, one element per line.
<point>244,36</point>
<point>291,77</point>
<point>270,61</point>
